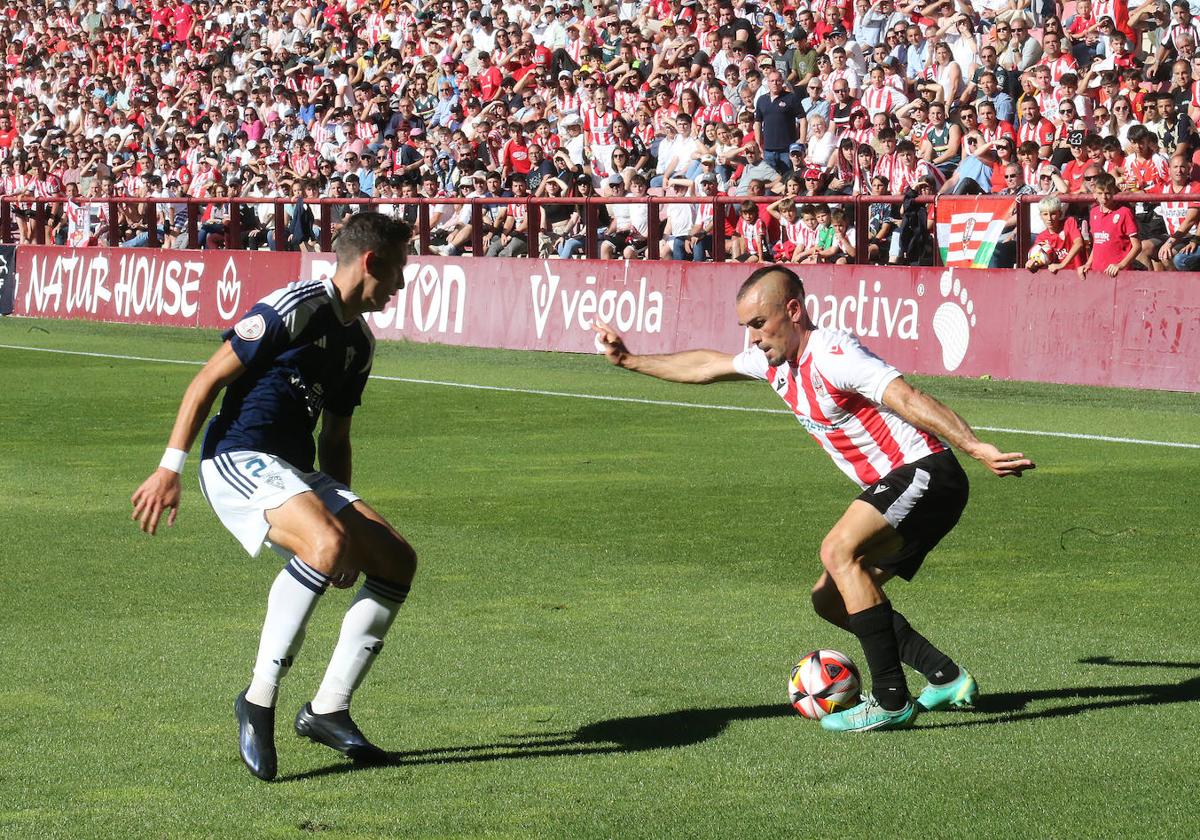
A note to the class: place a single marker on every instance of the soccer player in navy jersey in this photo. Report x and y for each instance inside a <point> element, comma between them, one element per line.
<point>299,356</point>
<point>891,440</point>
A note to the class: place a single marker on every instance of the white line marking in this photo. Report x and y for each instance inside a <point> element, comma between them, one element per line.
<point>605,398</point>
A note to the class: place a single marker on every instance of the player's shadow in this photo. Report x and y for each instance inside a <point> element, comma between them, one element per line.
<point>1013,706</point>
<point>686,727</point>
<point>681,728</point>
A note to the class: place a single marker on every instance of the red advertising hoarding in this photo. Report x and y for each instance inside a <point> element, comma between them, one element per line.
<point>1138,330</point>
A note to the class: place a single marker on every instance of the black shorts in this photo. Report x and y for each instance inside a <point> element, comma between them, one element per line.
<point>922,501</point>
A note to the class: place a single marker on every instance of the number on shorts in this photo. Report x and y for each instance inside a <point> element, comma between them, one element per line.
<point>255,467</point>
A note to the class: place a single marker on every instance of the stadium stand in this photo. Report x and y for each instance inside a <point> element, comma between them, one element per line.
<point>108,104</point>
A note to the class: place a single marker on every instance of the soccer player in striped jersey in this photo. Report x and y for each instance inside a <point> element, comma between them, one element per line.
<point>890,439</point>
<point>299,356</point>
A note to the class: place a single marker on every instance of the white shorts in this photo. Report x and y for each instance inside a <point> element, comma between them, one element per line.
<point>242,486</point>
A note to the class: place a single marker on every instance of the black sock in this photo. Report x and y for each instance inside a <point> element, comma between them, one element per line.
<point>875,632</point>
<point>917,652</point>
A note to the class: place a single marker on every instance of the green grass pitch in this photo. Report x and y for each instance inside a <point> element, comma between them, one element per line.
<point>610,597</point>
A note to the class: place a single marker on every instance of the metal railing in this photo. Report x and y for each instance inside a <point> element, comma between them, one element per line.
<point>44,210</point>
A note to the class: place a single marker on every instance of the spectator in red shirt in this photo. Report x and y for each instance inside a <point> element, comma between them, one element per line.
<point>489,77</point>
<point>1061,239</point>
<point>514,157</point>
<point>1115,242</point>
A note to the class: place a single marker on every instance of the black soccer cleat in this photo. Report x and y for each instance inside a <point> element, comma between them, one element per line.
<point>256,737</point>
<point>337,730</point>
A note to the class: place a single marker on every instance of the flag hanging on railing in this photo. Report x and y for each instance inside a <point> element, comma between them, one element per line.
<point>969,227</point>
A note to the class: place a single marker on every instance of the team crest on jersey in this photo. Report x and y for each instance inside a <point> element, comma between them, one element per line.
<point>818,384</point>
<point>251,329</point>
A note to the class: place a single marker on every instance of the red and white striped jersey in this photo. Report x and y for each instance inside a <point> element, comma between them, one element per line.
<point>1042,133</point>
<point>719,113</point>
<point>627,102</point>
<point>1065,63</point>
<point>569,103</point>
<point>755,235</point>
<point>599,128</point>
<point>366,130</point>
<point>1002,129</point>
<point>798,233</point>
<point>1174,212</point>
<point>835,389</point>
<point>663,115</point>
<point>882,100</point>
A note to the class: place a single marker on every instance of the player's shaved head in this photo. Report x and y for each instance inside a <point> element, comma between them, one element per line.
<point>776,284</point>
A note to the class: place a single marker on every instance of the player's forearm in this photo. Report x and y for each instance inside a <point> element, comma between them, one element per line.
<point>335,459</point>
<point>695,367</point>
<point>193,410</point>
<point>924,412</point>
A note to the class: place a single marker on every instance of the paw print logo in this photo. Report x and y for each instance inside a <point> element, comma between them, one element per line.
<point>953,320</point>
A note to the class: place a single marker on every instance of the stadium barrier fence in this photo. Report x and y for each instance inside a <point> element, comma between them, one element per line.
<point>1139,329</point>
<point>41,212</point>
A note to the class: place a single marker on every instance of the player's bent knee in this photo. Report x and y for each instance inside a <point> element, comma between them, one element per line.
<point>328,549</point>
<point>404,563</point>
<point>837,555</point>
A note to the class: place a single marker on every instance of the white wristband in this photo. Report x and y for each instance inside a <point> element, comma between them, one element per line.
<point>173,460</point>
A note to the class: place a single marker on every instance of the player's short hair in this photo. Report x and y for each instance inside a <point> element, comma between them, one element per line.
<point>794,285</point>
<point>1050,204</point>
<point>375,232</point>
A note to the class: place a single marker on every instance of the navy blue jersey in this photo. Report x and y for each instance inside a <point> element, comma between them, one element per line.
<point>300,358</point>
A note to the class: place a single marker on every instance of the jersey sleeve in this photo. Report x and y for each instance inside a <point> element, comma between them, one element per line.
<point>751,362</point>
<point>848,366</point>
<point>259,337</point>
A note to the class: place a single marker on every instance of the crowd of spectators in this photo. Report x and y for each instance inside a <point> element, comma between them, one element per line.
<point>778,101</point>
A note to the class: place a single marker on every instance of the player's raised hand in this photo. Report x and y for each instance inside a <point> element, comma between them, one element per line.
<point>1002,463</point>
<point>158,493</point>
<point>610,339</point>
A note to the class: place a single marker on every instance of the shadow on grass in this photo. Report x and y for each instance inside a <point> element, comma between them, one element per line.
<point>686,727</point>
<point>1011,707</point>
<point>617,735</point>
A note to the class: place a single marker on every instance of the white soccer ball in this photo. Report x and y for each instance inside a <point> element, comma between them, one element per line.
<point>823,682</point>
<point>1039,257</point>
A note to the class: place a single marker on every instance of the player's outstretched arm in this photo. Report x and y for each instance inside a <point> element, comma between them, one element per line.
<point>924,412</point>
<point>696,367</point>
<point>160,492</point>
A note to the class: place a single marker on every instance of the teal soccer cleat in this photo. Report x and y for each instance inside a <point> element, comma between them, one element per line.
<point>959,693</point>
<point>869,715</point>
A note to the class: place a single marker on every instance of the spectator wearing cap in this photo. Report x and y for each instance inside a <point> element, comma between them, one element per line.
<point>572,140</point>
<point>702,228</point>
<point>489,77</point>
<point>801,59</point>
<point>777,119</point>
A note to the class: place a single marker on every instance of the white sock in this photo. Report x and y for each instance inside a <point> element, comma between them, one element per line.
<point>293,598</point>
<point>366,623</point>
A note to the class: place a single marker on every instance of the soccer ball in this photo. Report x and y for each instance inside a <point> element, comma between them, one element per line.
<point>823,682</point>
<point>1038,257</point>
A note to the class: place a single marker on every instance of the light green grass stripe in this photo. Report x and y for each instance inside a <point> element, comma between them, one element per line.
<point>636,400</point>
